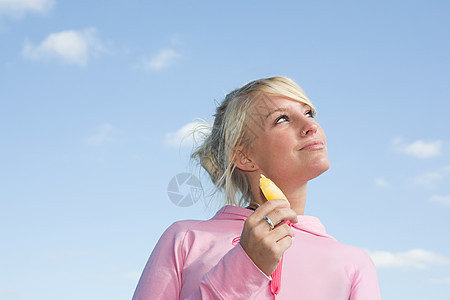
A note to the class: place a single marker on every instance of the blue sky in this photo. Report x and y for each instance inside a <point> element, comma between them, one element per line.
<point>94,97</point>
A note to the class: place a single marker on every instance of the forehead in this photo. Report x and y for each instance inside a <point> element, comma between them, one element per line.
<point>264,104</point>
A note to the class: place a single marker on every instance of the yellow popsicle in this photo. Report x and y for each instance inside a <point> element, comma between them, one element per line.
<point>270,190</point>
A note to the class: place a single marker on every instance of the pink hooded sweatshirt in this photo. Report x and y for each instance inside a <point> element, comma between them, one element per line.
<point>204,260</point>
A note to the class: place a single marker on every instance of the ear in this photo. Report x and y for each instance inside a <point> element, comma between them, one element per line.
<point>242,161</point>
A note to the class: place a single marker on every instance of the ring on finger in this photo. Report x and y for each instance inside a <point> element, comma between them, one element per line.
<point>269,221</point>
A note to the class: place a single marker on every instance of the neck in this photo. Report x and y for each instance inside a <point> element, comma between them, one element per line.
<point>297,198</point>
<point>296,195</point>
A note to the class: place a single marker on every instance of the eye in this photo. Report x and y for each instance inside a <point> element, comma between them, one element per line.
<point>309,113</point>
<point>281,119</point>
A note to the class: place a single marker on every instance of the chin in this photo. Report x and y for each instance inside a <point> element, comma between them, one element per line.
<point>318,169</point>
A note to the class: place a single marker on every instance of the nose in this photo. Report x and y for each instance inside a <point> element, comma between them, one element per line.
<point>309,128</point>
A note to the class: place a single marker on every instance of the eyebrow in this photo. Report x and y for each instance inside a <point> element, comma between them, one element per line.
<point>276,110</point>
<point>284,109</point>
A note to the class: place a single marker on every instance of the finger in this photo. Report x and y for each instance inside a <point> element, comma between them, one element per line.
<point>284,244</point>
<point>280,232</point>
<point>282,215</point>
<point>270,222</point>
<point>268,206</point>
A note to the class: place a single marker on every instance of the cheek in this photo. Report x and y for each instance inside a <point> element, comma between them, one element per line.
<point>322,133</point>
<point>266,150</point>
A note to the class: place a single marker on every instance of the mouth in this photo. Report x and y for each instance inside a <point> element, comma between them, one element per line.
<point>313,145</point>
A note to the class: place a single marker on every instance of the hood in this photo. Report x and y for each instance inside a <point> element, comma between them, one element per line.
<point>305,223</point>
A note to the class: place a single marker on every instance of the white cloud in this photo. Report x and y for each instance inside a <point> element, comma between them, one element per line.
<point>413,259</point>
<point>419,149</point>
<point>187,136</point>
<point>102,136</point>
<point>428,179</point>
<point>163,60</point>
<point>70,46</point>
<point>176,40</point>
<point>431,179</point>
<point>445,200</point>
<point>18,8</point>
<point>445,280</point>
<point>382,183</point>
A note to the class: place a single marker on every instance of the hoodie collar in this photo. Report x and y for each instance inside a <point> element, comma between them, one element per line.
<point>305,223</point>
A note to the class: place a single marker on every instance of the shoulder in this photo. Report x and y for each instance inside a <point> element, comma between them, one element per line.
<point>346,254</point>
<point>174,239</point>
<point>222,228</point>
<point>179,229</point>
<point>362,273</point>
<point>181,226</point>
<point>356,258</point>
<point>186,229</point>
<point>353,253</point>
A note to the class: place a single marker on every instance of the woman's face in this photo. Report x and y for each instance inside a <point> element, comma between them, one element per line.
<point>288,145</point>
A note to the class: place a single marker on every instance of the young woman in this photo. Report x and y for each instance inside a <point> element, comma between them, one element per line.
<point>254,248</point>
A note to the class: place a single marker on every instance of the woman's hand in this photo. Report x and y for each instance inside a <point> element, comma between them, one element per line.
<point>265,246</point>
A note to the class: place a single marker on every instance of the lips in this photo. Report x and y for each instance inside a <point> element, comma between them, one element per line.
<point>313,145</point>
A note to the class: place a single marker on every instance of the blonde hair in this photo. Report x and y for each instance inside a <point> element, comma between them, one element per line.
<point>217,152</point>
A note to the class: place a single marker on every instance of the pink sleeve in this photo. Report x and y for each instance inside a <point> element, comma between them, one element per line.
<point>364,278</point>
<point>161,278</point>
<point>234,277</point>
